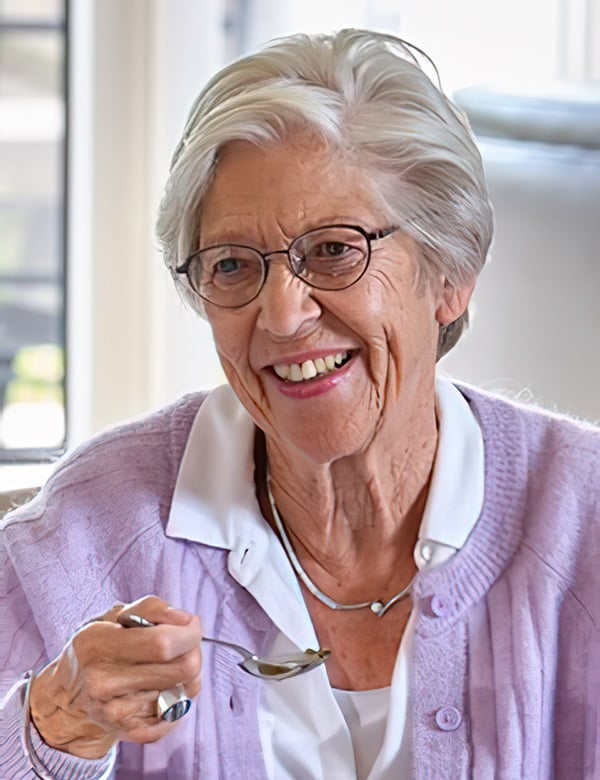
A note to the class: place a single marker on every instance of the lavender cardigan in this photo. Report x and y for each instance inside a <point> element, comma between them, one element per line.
<point>506,677</point>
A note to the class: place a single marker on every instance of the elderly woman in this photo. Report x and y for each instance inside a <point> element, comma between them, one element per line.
<point>327,212</point>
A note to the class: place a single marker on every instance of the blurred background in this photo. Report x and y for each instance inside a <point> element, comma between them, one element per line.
<point>93,97</point>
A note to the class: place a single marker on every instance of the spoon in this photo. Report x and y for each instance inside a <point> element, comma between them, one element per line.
<point>266,669</point>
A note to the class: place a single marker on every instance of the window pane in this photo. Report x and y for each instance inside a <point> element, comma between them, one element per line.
<point>32,198</point>
<point>31,62</point>
<point>33,10</point>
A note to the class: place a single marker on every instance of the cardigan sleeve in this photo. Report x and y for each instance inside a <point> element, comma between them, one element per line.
<point>68,555</point>
<point>21,650</point>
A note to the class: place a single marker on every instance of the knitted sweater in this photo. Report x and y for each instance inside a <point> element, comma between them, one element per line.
<point>506,673</point>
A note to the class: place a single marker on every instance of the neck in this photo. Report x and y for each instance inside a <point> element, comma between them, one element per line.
<point>357,518</point>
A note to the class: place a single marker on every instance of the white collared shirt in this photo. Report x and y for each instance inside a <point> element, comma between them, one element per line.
<point>307,729</point>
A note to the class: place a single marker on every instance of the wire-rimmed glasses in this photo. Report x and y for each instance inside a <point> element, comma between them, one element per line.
<point>333,257</point>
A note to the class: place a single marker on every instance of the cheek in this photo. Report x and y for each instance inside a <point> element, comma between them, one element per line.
<point>232,340</point>
<point>233,333</point>
<point>406,330</point>
<point>231,351</point>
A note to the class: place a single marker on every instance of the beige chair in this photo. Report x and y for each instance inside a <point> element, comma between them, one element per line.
<point>14,498</point>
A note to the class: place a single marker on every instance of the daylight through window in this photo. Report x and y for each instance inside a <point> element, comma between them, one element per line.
<point>32,228</point>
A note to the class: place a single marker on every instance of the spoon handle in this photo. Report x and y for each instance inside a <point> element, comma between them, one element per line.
<point>231,645</point>
<point>134,621</point>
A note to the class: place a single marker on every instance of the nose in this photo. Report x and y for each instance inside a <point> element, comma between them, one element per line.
<point>288,308</point>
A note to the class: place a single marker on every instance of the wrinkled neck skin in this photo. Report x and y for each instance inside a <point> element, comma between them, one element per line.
<point>355,520</point>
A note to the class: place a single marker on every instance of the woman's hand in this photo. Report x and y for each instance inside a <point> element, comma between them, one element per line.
<point>103,687</point>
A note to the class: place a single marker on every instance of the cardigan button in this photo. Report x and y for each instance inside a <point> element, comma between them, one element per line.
<point>440,606</point>
<point>448,718</point>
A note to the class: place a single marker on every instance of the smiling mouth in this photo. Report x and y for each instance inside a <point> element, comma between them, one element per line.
<point>309,369</point>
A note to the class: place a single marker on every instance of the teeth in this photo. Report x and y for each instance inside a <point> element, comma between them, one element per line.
<point>309,368</point>
<point>282,372</point>
<point>295,373</point>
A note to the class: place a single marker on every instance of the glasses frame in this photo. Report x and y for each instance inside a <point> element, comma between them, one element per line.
<point>370,237</point>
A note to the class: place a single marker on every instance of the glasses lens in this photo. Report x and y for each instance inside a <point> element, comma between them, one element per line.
<point>226,275</point>
<point>331,258</point>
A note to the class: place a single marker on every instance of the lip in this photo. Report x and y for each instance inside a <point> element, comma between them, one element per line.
<point>312,387</point>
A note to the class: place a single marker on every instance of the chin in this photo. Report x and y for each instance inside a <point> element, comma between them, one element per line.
<point>324,446</point>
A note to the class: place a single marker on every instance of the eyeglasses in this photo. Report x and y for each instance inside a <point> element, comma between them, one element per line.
<point>328,258</point>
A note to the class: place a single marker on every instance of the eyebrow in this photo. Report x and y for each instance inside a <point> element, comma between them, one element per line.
<point>230,237</point>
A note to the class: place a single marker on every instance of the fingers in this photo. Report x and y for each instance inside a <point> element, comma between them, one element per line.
<point>175,634</point>
<point>132,717</point>
<point>160,644</point>
<point>114,662</point>
<point>157,611</point>
<point>153,608</point>
<point>107,680</point>
<point>105,684</point>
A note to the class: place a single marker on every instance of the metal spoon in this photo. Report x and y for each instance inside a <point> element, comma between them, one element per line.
<point>273,669</point>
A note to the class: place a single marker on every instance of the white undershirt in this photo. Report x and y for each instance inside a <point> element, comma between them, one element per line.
<point>365,713</point>
<point>307,729</point>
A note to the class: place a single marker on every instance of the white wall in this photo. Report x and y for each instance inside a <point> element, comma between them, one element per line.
<point>536,316</point>
<point>135,69</point>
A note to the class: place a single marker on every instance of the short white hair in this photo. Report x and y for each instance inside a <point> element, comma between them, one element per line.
<point>367,94</point>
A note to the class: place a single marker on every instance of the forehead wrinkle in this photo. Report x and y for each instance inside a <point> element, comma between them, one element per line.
<point>267,197</point>
<point>251,231</point>
<point>231,230</point>
<point>282,230</point>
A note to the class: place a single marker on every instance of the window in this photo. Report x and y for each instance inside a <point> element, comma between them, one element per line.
<point>33,106</point>
<point>135,69</point>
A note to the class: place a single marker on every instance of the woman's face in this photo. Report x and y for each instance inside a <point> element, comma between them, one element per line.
<point>385,327</point>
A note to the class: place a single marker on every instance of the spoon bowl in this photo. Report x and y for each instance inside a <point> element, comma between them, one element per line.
<point>274,668</point>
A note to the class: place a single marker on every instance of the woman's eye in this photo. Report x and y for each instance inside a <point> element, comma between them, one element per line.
<point>332,249</point>
<point>228,266</point>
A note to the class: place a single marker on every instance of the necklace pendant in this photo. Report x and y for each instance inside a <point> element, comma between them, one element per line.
<point>376,607</point>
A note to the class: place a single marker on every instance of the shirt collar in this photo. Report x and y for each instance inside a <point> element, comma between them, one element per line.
<point>214,500</point>
<point>456,491</point>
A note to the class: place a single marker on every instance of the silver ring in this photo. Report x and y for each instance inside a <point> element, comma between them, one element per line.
<point>173,705</point>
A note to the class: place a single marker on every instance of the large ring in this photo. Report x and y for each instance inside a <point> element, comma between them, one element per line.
<point>173,705</point>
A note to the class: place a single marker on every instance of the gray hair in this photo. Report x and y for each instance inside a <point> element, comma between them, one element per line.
<point>367,94</point>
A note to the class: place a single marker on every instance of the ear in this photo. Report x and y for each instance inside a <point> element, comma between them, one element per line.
<point>453,301</point>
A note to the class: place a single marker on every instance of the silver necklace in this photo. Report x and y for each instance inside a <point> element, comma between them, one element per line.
<point>378,607</point>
